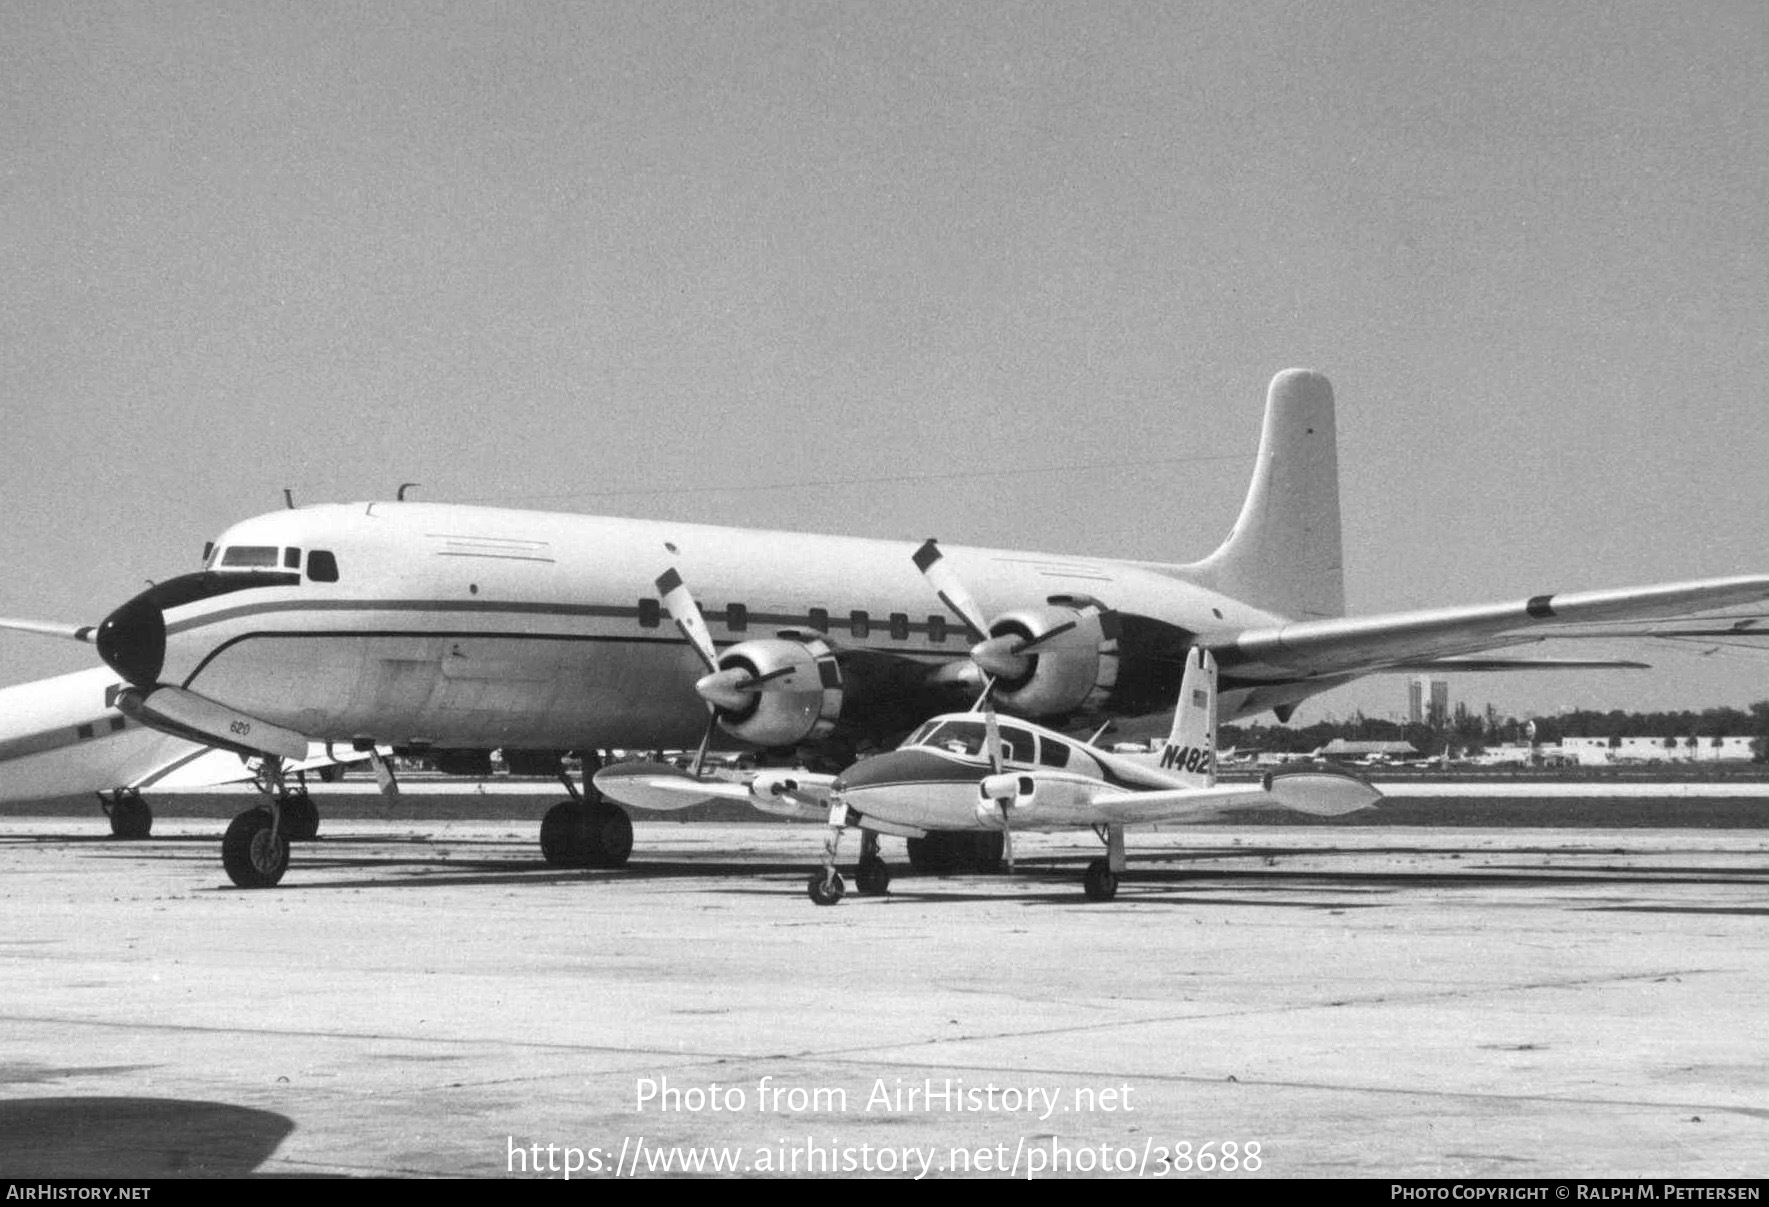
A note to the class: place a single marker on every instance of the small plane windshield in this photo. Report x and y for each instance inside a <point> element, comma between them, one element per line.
<point>970,738</point>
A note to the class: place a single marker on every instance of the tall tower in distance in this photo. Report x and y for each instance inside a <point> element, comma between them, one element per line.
<point>1428,700</point>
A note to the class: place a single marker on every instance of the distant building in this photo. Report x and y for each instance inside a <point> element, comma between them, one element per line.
<point>1428,700</point>
<point>1589,751</point>
<point>1339,748</point>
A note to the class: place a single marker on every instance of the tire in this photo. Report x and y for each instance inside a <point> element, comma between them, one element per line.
<point>873,878</point>
<point>253,855</point>
<point>575,834</point>
<point>1100,883</point>
<point>131,818</point>
<point>300,818</point>
<point>826,890</point>
<point>986,851</point>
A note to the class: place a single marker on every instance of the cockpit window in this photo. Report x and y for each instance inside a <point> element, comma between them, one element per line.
<point>970,738</point>
<point>208,553</point>
<point>322,566</point>
<point>263,556</point>
<point>291,559</point>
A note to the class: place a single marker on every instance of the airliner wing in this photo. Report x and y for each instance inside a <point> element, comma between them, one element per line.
<point>1316,793</point>
<point>1307,649</point>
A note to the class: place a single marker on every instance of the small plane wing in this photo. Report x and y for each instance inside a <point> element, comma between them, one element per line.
<point>662,788</point>
<point>1319,794</point>
<point>1363,644</point>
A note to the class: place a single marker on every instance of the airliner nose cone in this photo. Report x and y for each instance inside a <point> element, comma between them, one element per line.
<point>133,641</point>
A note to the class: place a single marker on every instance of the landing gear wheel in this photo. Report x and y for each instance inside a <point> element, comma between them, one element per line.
<point>872,878</point>
<point>254,856</point>
<point>130,816</point>
<point>300,817</point>
<point>825,889</point>
<point>986,851</point>
<point>595,834</point>
<point>946,851</point>
<point>1100,882</point>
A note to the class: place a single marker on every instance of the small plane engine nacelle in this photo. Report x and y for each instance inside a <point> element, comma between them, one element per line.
<point>1059,678</point>
<point>805,696</point>
<point>1018,789</point>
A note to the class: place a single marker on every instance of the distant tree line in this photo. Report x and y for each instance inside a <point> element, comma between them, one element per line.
<point>1469,732</point>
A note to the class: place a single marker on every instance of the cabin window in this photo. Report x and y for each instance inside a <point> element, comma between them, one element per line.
<point>899,626</point>
<point>819,619</point>
<point>1053,754</point>
<point>936,629</point>
<point>650,614</point>
<point>859,624</point>
<point>82,731</point>
<point>251,556</point>
<point>1016,744</point>
<point>291,558</point>
<point>736,617</point>
<point>322,566</point>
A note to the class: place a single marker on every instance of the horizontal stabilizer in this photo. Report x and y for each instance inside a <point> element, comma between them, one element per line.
<point>1472,662</point>
<point>1322,794</point>
<point>185,714</point>
<point>1363,644</point>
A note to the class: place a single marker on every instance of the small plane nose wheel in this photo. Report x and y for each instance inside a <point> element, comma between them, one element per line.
<point>826,887</point>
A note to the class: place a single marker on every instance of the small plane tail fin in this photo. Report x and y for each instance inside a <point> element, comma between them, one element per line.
<point>1190,753</point>
<point>1284,553</point>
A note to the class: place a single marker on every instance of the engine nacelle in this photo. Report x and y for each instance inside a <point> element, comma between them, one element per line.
<point>1020,791</point>
<point>800,705</point>
<point>1060,678</point>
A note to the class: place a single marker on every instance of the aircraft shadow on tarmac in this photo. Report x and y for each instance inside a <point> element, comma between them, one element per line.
<point>130,1138</point>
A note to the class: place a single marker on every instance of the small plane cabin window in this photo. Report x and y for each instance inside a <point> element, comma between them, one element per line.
<point>251,556</point>
<point>936,629</point>
<point>919,737</point>
<point>650,614</point>
<point>208,553</point>
<point>899,626</point>
<point>736,617</point>
<point>1053,754</point>
<point>859,624</point>
<point>819,619</point>
<point>291,558</point>
<point>322,566</point>
<point>1016,744</point>
<point>957,737</point>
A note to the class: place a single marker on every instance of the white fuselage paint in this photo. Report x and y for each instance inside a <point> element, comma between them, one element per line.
<point>467,626</point>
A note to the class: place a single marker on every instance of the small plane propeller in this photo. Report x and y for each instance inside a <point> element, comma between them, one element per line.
<point>727,688</point>
<point>68,632</point>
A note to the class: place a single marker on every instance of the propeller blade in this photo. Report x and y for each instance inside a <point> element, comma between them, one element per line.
<point>679,602</point>
<point>1090,627</point>
<point>43,628</point>
<point>946,584</point>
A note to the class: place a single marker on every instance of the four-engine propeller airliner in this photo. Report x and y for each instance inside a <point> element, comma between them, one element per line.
<point>461,629</point>
<point>967,772</point>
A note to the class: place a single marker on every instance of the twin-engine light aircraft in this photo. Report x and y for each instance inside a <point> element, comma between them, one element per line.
<point>458,630</point>
<point>970,772</point>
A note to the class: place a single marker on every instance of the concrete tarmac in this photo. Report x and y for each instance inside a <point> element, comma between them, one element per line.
<point>430,999</point>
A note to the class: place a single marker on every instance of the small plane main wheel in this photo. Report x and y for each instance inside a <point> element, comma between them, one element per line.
<point>300,817</point>
<point>130,817</point>
<point>825,889</point>
<point>254,856</point>
<point>1100,883</point>
<point>921,854</point>
<point>986,851</point>
<point>873,877</point>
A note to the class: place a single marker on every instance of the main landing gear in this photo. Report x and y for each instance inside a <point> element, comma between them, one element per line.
<point>872,877</point>
<point>129,814</point>
<point>1101,880</point>
<point>943,851</point>
<point>586,831</point>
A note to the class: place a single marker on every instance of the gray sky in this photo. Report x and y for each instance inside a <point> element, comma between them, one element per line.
<point>640,258</point>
